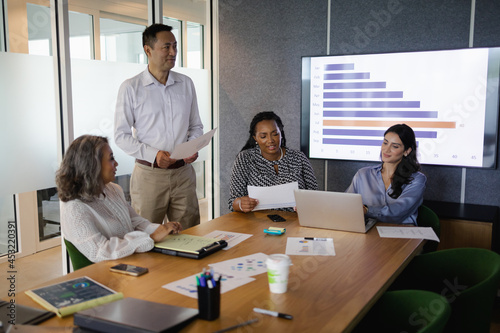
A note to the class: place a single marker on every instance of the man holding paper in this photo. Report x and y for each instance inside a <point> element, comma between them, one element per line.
<point>157,110</point>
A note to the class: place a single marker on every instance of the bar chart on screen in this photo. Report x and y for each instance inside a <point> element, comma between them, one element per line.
<point>355,99</point>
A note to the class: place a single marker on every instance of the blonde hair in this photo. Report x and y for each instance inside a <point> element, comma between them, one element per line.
<point>79,176</point>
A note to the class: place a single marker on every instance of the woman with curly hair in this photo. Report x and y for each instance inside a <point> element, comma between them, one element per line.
<point>95,216</point>
<point>265,160</point>
<point>393,190</point>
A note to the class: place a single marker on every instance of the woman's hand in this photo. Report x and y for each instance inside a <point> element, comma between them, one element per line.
<point>165,229</point>
<point>245,204</point>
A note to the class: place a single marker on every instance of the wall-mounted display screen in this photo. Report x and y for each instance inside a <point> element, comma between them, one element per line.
<point>450,98</point>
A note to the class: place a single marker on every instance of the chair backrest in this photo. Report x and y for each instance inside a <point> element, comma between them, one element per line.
<point>427,218</point>
<point>78,260</point>
<point>467,277</point>
<point>478,271</point>
<point>407,311</point>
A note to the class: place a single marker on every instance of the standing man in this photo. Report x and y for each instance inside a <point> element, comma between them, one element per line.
<point>155,111</point>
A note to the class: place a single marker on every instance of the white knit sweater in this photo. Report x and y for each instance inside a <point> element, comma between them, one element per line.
<point>106,228</point>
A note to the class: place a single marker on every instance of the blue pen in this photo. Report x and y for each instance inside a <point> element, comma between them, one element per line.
<point>203,281</point>
<point>212,271</point>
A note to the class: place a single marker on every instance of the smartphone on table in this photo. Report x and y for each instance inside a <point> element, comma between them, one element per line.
<point>276,218</point>
<point>129,269</point>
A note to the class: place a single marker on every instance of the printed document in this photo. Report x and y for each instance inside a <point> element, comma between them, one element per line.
<point>408,232</point>
<point>189,148</point>
<point>305,246</point>
<point>278,196</point>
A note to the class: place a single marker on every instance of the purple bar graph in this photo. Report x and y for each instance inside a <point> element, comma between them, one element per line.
<point>347,76</point>
<point>374,133</point>
<point>339,67</point>
<point>355,85</point>
<point>352,142</point>
<point>381,114</point>
<point>372,104</point>
<point>364,94</point>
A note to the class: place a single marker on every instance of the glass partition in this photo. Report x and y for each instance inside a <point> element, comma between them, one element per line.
<point>8,225</point>
<point>2,30</point>
<point>194,45</point>
<point>122,41</point>
<point>177,31</point>
<point>29,142</point>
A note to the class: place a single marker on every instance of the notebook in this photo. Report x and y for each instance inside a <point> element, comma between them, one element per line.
<point>134,315</point>
<point>189,246</point>
<point>332,210</point>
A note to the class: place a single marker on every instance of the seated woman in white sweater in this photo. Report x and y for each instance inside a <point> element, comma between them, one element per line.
<point>95,216</point>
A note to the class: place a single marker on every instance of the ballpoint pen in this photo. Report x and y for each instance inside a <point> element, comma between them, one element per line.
<point>273,313</point>
<point>314,238</point>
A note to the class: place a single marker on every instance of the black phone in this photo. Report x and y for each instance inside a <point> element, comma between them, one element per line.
<point>129,269</point>
<point>276,218</point>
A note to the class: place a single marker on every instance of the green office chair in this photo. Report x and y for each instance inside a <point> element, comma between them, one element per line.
<point>427,218</point>
<point>469,279</point>
<point>78,260</point>
<point>407,311</point>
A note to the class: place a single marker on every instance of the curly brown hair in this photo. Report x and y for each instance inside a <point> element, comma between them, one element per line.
<point>79,176</point>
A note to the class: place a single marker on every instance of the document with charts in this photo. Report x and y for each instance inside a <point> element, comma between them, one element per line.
<point>305,246</point>
<point>408,232</point>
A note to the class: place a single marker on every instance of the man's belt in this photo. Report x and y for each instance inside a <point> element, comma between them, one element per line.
<point>176,165</point>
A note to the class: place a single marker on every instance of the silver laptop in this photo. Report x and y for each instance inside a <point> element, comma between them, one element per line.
<point>332,210</point>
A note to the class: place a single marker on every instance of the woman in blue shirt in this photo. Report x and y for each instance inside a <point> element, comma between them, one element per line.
<point>393,191</point>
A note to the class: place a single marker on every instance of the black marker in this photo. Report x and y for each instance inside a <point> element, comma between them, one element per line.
<point>273,313</point>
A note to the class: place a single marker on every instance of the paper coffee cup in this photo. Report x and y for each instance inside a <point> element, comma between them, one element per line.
<point>278,266</point>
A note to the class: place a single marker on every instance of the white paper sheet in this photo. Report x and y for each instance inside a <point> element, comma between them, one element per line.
<point>408,232</point>
<point>232,238</point>
<point>278,196</point>
<point>250,265</point>
<point>187,286</point>
<point>189,148</point>
<point>310,247</point>
<point>233,272</point>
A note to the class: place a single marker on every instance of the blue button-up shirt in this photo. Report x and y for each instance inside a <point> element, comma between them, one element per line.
<point>369,183</point>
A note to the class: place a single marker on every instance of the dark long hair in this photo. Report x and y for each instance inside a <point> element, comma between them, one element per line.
<point>79,176</point>
<point>265,115</point>
<point>409,164</point>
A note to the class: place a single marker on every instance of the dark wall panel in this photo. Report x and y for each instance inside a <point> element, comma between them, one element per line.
<point>483,185</point>
<point>399,26</point>
<point>262,42</point>
<point>260,49</point>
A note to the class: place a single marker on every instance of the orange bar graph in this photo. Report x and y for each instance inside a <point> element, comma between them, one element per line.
<point>389,123</point>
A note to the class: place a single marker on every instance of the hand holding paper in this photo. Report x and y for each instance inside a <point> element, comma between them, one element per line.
<point>278,196</point>
<point>189,148</point>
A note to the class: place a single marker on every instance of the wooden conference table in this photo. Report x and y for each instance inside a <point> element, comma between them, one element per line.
<point>325,293</point>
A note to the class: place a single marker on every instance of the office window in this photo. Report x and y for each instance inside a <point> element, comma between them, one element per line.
<point>29,107</point>
<point>39,30</point>
<point>8,225</point>
<point>49,224</point>
<point>81,42</point>
<point>122,41</point>
<point>40,36</point>
<point>177,31</point>
<point>194,45</point>
<point>2,30</point>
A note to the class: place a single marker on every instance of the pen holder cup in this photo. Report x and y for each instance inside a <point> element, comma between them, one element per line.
<point>209,302</point>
